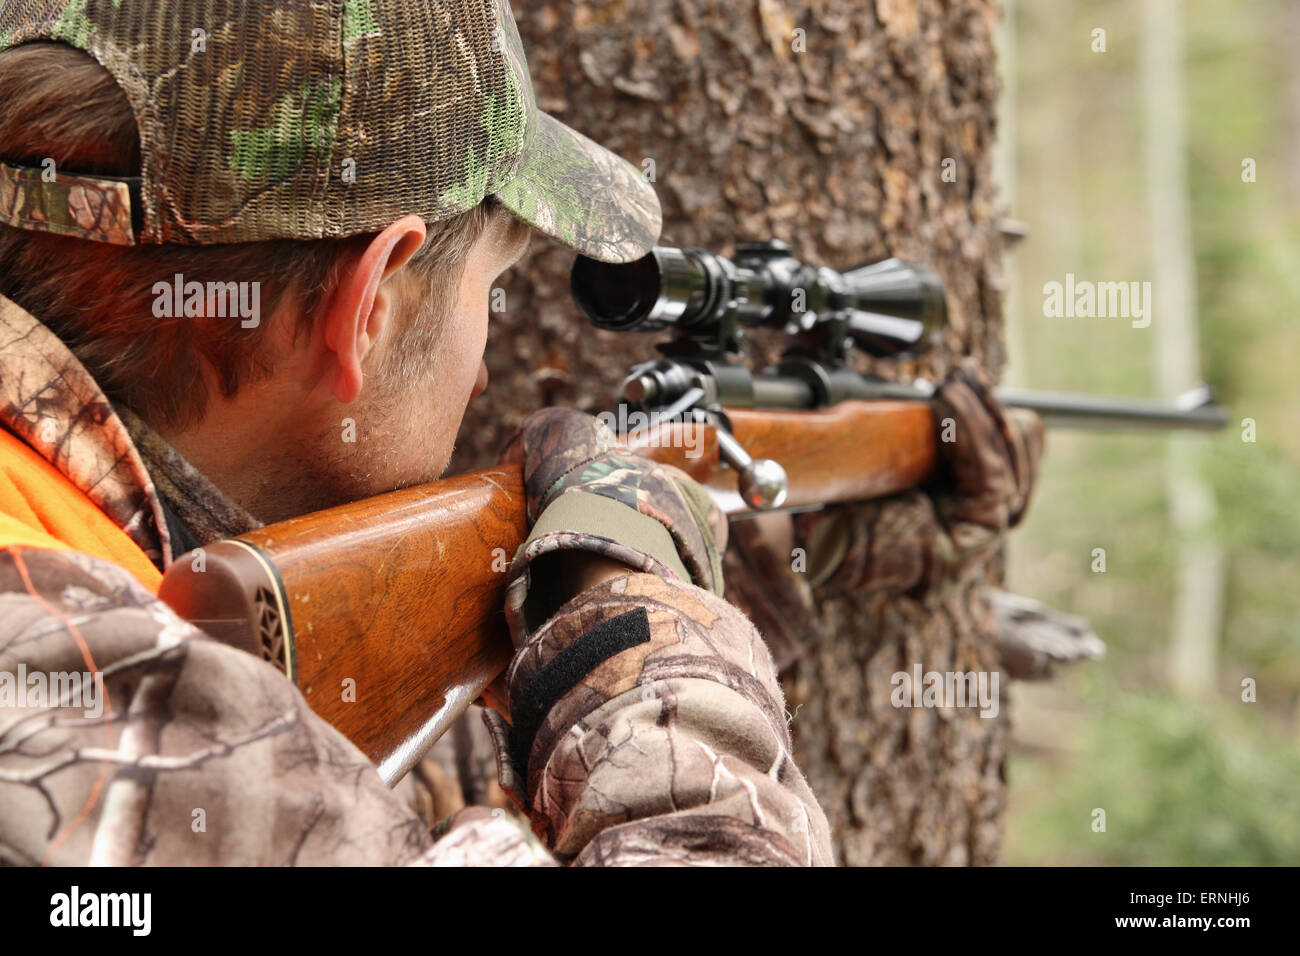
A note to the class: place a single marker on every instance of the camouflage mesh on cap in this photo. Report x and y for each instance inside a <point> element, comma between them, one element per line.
<point>263,119</point>
<point>582,194</point>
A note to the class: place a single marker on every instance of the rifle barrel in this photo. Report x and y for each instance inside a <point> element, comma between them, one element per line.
<point>1194,411</point>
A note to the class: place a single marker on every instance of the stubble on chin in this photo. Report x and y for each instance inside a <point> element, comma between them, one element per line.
<point>399,422</point>
<point>395,454</point>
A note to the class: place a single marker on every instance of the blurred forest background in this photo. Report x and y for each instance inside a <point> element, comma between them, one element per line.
<point>1117,181</point>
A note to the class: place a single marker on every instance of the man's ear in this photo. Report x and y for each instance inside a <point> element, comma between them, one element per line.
<point>357,310</point>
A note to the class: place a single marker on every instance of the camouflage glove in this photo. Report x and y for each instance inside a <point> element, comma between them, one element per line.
<point>919,543</point>
<point>988,461</point>
<point>991,455</point>
<point>586,492</point>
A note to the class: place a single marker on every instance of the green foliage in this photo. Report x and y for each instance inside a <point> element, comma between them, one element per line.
<point>1179,787</point>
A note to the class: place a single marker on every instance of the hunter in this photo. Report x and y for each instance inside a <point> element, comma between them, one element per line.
<point>246,251</point>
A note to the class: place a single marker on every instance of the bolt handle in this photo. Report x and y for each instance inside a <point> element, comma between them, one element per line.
<point>763,483</point>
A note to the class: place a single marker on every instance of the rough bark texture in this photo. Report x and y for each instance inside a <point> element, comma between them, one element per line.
<point>840,150</point>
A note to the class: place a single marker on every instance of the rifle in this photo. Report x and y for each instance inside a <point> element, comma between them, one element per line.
<point>387,613</point>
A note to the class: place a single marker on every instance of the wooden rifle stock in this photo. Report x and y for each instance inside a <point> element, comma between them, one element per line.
<point>387,613</point>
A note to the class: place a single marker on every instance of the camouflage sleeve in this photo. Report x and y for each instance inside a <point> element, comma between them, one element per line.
<point>923,543</point>
<point>896,544</point>
<point>649,729</point>
<point>127,736</point>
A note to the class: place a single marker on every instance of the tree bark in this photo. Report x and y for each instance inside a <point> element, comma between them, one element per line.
<point>826,123</point>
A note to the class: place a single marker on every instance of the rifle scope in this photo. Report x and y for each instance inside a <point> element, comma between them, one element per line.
<point>888,307</point>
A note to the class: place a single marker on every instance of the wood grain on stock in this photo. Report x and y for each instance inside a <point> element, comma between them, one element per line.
<point>851,451</point>
<point>403,594</point>
<point>400,593</point>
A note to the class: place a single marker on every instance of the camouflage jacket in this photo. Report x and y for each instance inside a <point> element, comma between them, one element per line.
<point>193,752</point>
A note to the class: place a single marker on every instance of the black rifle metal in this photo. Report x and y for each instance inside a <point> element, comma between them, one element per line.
<point>887,308</point>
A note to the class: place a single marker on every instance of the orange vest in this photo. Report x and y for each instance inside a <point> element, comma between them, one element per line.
<point>40,508</point>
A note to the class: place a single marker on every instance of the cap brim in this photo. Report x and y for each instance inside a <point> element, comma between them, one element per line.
<point>580,193</point>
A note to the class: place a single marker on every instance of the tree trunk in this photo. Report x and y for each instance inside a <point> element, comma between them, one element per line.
<point>1197,617</point>
<point>825,123</point>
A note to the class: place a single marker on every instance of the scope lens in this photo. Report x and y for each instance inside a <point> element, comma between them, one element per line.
<point>615,295</point>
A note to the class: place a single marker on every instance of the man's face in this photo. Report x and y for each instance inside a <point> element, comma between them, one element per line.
<point>420,376</point>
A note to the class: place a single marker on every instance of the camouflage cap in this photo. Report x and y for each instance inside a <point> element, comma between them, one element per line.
<point>307,119</point>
